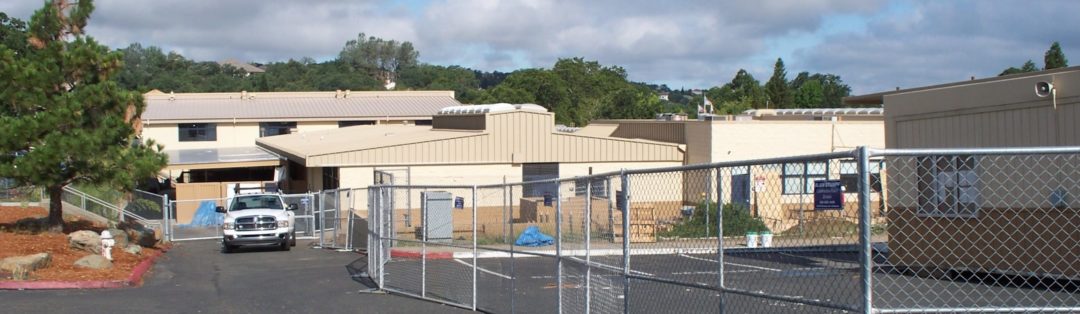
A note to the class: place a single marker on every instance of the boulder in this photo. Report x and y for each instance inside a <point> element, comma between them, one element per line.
<point>85,240</point>
<point>139,234</point>
<point>94,261</point>
<point>120,236</point>
<point>133,249</point>
<point>20,267</point>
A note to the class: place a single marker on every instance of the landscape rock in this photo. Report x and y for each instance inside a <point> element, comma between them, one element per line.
<point>120,236</point>
<point>139,234</point>
<point>133,249</point>
<point>85,240</point>
<point>20,267</point>
<point>94,261</point>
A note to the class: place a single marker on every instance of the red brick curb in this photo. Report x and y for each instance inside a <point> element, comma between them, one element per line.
<point>133,281</point>
<point>418,254</point>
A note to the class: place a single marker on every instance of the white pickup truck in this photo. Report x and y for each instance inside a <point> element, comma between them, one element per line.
<point>258,219</point>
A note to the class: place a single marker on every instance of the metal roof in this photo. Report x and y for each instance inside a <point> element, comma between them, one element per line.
<point>817,112</point>
<point>356,138</point>
<point>209,107</point>
<point>492,108</point>
<point>209,157</point>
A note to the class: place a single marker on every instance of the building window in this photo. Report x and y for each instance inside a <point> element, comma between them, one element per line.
<point>422,122</point>
<point>798,178</point>
<point>537,172</point>
<point>948,186</point>
<point>275,128</point>
<point>849,175</point>
<point>599,187</point>
<point>198,132</point>
<point>345,124</point>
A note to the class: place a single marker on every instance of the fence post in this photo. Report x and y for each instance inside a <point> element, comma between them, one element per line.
<point>423,243</point>
<point>864,230</point>
<point>625,201</point>
<point>474,266</point>
<point>588,246</point>
<point>720,235</point>
<point>558,244</point>
<point>166,227</point>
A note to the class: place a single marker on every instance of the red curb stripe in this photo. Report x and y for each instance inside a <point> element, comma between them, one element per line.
<point>136,274</point>
<point>135,279</point>
<point>43,285</point>
<point>418,254</point>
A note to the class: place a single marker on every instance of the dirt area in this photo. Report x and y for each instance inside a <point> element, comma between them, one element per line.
<point>62,267</point>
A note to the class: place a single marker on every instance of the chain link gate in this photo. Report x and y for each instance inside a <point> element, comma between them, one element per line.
<point>869,231</point>
<point>334,218</point>
<point>306,207</point>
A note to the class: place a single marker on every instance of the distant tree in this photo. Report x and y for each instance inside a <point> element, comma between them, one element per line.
<point>777,87</point>
<point>13,34</point>
<point>799,80</point>
<point>546,88</point>
<point>378,57</point>
<point>1027,67</point>
<point>64,119</point>
<point>743,89</point>
<point>833,90</point>
<point>810,95</point>
<point>1055,58</point>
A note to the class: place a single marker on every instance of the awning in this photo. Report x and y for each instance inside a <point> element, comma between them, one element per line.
<point>221,158</point>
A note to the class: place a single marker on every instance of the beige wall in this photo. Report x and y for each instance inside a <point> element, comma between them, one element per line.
<point>302,127</point>
<point>229,134</point>
<point>996,113</point>
<point>744,140</point>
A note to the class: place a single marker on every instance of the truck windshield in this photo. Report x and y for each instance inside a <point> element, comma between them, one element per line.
<point>255,202</point>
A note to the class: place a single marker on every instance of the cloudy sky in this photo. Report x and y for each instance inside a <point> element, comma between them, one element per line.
<point>874,45</point>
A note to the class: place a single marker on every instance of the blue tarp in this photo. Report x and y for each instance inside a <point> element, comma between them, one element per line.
<point>207,215</point>
<point>532,237</point>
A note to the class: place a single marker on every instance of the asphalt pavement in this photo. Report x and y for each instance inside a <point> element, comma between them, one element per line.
<point>196,277</point>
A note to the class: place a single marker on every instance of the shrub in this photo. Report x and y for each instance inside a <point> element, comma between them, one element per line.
<point>737,221</point>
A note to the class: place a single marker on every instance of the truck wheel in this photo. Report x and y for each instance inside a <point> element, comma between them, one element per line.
<point>285,244</point>
<point>292,238</point>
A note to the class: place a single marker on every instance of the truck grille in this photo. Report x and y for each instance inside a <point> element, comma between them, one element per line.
<point>254,223</point>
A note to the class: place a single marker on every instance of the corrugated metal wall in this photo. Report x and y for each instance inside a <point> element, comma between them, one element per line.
<point>517,137</point>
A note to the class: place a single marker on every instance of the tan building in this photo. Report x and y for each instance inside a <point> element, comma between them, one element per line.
<point>467,145</point>
<point>984,212</point>
<point>210,137</point>
<point>766,133</point>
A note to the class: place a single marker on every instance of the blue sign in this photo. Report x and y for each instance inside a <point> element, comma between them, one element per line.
<point>828,194</point>
<point>459,202</point>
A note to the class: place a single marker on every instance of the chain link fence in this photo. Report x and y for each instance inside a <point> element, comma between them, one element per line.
<point>857,231</point>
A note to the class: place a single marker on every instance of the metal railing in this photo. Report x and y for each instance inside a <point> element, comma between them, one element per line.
<point>885,231</point>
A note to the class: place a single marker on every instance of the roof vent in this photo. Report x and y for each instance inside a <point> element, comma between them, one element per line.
<point>172,95</point>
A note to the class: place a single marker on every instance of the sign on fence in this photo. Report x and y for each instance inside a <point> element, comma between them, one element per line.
<point>828,194</point>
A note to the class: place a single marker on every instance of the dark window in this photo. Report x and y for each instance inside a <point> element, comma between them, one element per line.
<point>344,124</point>
<point>849,175</point>
<point>198,132</point>
<point>422,122</point>
<point>798,178</point>
<point>275,128</point>
<point>535,172</point>
<point>948,186</point>
<point>599,187</point>
<point>329,178</point>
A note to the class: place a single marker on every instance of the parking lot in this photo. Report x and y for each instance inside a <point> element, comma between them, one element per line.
<point>195,277</point>
<point>529,284</point>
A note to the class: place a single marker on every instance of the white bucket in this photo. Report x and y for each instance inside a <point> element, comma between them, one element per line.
<point>751,239</point>
<point>766,239</point>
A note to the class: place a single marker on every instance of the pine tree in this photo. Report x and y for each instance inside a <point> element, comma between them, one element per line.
<point>777,87</point>
<point>1055,58</point>
<point>64,118</point>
